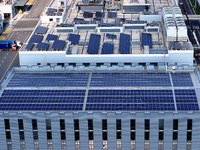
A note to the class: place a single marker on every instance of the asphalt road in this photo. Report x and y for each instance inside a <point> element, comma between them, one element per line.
<point>188,7</point>
<point>21,32</point>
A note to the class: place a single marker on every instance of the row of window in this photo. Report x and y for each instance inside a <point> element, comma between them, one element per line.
<point>104,129</point>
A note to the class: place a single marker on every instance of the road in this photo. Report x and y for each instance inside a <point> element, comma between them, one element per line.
<point>188,7</point>
<point>21,32</point>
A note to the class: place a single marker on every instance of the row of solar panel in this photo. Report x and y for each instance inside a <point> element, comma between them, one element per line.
<point>48,79</point>
<point>142,79</point>
<point>52,75</point>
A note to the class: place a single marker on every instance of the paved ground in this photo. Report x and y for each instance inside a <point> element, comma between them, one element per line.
<point>22,30</point>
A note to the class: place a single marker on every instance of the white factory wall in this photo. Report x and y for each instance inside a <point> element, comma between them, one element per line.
<point>97,117</point>
<point>57,19</point>
<point>44,57</point>
<point>7,9</point>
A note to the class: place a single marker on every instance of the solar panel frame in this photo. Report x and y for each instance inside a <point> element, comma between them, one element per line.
<point>74,38</point>
<point>93,45</point>
<point>107,48</point>
<point>43,46</point>
<point>51,37</point>
<point>146,40</point>
<point>41,30</point>
<point>112,36</point>
<point>36,39</point>
<point>124,43</point>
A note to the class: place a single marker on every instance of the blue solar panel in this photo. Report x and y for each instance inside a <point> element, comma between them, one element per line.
<point>87,15</point>
<point>36,39</point>
<point>43,46</point>
<point>59,14</point>
<point>48,80</point>
<point>93,46</point>
<point>65,25</point>
<point>41,30</point>
<point>131,21</point>
<point>29,46</point>
<point>99,15</point>
<point>50,13</point>
<point>129,79</point>
<point>74,38</point>
<point>52,9</point>
<point>124,43</point>
<point>112,36</point>
<point>146,39</point>
<point>58,44</point>
<point>182,79</point>
<point>112,14</point>
<point>51,37</point>
<point>107,48</point>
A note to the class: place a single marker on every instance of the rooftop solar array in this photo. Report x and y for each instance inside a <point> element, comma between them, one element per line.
<point>30,46</point>
<point>48,79</point>
<point>175,45</point>
<point>52,10</point>
<point>146,40</point>
<point>50,13</point>
<point>41,30</point>
<point>82,21</point>
<point>74,38</point>
<point>113,98</point>
<point>107,48</point>
<point>181,79</point>
<point>112,36</point>
<point>87,15</point>
<point>65,24</point>
<point>93,46</point>
<point>58,44</point>
<point>36,39</point>
<point>112,14</point>
<point>130,79</point>
<point>51,37</point>
<point>186,99</point>
<point>40,100</point>
<point>43,46</point>
<point>124,43</point>
<point>130,100</point>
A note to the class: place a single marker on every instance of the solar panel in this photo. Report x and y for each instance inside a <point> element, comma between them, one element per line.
<point>51,37</point>
<point>107,48</point>
<point>187,46</point>
<point>43,46</point>
<point>52,9</point>
<point>146,12</point>
<point>74,38</point>
<point>146,40</point>
<point>41,30</point>
<point>175,45</point>
<point>112,36</point>
<point>65,24</point>
<point>99,15</point>
<point>58,44</point>
<point>131,21</point>
<point>124,43</point>
<point>112,14</point>
<point>87,15</point>
<point>93,46</point>
<point>59,14</point>
<point>36,39</point>
<point>29,46</point>
<point>61,10</point>
<point>50,13</point>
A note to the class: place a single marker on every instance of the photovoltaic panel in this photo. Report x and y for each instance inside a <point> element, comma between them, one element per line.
<point>112,36</point>
<point>146,40</point>
<point>58,44</point>
<point>107,48</point>
<point>181,79</point>
<point>36,39</point>
<point>65,24</point>
<point>41,30</point>
<point>59,14</point>
<point>87,15</point>
<point>51,37</point>
<point>43,46</point>
<point>93,46</point>
<point>52,9</point>
<point>124,43</point>
<point>99,15</point>
<point>74,38</point>
<point>131,21</point>
<point>29,46</point>
<point>112,14</point>
<point>50,13</point>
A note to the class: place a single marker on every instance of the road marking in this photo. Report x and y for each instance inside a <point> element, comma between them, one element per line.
<point>13,60</point>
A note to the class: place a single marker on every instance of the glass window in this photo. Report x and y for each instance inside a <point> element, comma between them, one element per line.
<point>49,136</point>
<point>146,135</point>
<point>20,124</point>
<point>189,136</point>
<point>62,124</point>
<point>90,134</point>
<point>48,124</point>
<point>90,124</point>
<point>21,135</point>
<point>147,124</point>
<point>132,135</point>
<point>35,135</point>
<point>76,135</point>
<point>8,135</point>
<point>7,124</point>
<point>105,136</point>
<point>161,124</point>
<point>104,124</point>
<point>175,135</point>
<point>118,135</point>
<point>132,124</point>
<point>161,135</point>
<point>34,124</point>
<point>175,124</point>
<point>63,137</point>
<point>189,124</point>
<point>76,124</point>
<point>118,124</point>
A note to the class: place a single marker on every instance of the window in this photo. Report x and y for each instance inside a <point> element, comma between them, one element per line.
<point>175,124</point>
<point>118,124</point>
<point>104,135</point>
<point>62,124</point>
<point>34,124</point>
<point>189,136</point>
<point>20,124</point>
<point>161,135</point>
<point>132,127</point>
<point>39,64</point>
<point>175,135</point>
<point>76,124</point>
<point>8,135</point>
<point>61,64</point>
<point>90,135</point>
<point>127,64</point>
<point>147,124</point>
<point>49,136</point>
<point>161,124</point>
<point>21,135</point>
<point>72,64</point>
<point>90,124</point>
<point>86,64</point>
<point>189,124</point>
<point>7,124</point>
<point>63,137</point>
<point>132,135</point>
<point>142,64</point>
<point>35,135</point>
<point>146,127</point>
<point>48,128</point>
<point>34,127</point>
<point>113,64</point>
<point>76,136</point>
<point>99,64</point>
<point>104,124</point>
<point>146,136</point>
